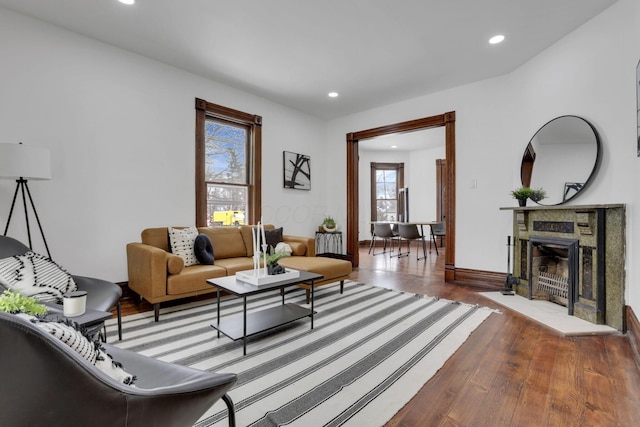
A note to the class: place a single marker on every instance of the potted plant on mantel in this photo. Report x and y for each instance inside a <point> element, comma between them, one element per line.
<point>538,194</point>
<point>521,195</point>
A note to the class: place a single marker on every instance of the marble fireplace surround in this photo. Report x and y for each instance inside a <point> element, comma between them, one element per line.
<point>596,234</point>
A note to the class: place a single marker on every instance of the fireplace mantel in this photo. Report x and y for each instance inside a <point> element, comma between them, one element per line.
<point>599,230</point>
<point>563,207</point>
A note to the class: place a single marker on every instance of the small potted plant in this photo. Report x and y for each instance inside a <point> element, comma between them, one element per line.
<point>329,224</point>
<point>522,194</point>
<point>272,262</point>
<point>538,194</point>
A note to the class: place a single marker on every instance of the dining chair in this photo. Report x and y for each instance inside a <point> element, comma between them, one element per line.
<point>437,230</point>
<point>409,232</point>
<point>384,232</point>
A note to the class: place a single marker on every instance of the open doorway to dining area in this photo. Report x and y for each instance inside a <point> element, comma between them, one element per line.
<point>403,173</point>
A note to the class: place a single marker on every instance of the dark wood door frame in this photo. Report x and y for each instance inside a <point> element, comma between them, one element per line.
<point>448,120</point>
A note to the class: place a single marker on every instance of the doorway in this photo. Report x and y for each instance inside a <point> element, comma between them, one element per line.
<point>448,121</point>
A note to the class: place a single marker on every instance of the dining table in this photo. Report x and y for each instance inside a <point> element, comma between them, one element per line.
<point>419,223</point>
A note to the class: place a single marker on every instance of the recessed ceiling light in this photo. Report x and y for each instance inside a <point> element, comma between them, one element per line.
<point>496,39</point>
<point>394,146</point>
<point>333,94</point>
<point>129,2</point>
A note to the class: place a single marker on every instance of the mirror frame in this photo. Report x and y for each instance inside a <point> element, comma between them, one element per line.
<point>596,165</point>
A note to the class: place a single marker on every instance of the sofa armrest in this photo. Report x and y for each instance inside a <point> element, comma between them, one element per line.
<point>147,268</point>
<point>308,242</point>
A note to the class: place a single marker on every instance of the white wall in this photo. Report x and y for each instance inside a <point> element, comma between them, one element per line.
<point>589,73</point>
<point>120,128</point>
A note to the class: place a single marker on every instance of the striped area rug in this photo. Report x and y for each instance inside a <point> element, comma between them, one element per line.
<point>370,352</point>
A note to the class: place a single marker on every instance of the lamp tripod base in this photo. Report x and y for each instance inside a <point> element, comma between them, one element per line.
<point>22,186</point>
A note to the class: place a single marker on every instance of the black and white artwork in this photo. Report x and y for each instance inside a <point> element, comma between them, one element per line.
<point>297,171</point>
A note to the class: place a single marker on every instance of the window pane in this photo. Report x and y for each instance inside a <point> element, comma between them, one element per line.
<point>390,190</point>
<point>225,153</point>
<point>390,176</point>
<point>386,210</point>
<point>226,204</point>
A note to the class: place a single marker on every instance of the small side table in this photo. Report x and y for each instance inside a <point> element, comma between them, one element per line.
<point>91,319</point>
<point>328,242</point>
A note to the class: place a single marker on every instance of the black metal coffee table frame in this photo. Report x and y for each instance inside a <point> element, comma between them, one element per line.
<point>260,321</point>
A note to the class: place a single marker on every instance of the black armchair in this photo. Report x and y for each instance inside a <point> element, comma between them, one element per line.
<point>101,294</point>
<point>45,382</point>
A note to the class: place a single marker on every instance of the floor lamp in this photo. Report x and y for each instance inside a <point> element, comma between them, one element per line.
<point>23,163</point>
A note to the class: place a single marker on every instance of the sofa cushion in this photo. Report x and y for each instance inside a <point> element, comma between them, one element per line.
<point>182,240</point>
<point>227,241</point>
<point>156,237</point>
<point>233,265</point>
<point>36,276</point>
<point>203,249</point>
<point>330,268</point>
<point>193,279</point>
<point>245,231</point>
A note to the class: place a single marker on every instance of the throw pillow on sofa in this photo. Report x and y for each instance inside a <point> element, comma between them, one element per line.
<point>181,243</point>
<point>203,249</point>
<point>35,275</point>
<point>273,237</point>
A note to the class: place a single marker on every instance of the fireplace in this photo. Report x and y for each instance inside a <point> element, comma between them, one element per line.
<point>553,274</point>
<point>573,256</point>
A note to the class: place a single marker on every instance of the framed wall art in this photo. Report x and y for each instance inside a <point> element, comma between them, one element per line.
<point>297,171</point>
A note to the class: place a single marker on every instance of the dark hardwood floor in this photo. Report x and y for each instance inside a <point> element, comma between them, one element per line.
<point>511,371</point>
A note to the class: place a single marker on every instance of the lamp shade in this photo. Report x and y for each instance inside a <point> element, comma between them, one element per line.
<point>23,161</point>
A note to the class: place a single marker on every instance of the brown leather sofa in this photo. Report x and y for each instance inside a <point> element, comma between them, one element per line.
<point>158,276</point>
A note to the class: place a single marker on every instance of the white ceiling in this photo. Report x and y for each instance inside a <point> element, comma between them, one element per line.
<point>373,52</point>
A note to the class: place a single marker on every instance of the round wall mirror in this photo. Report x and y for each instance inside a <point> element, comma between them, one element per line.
<point>561,158</point>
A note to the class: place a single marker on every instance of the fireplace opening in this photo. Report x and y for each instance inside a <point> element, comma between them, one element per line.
<point>550,273</point>
<point>553,274</point>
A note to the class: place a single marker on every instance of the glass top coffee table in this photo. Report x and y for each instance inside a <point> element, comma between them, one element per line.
<point>253,323</point>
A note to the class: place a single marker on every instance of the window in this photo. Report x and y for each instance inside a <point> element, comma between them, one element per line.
<point>228,157</point>
<point>386,180</point>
